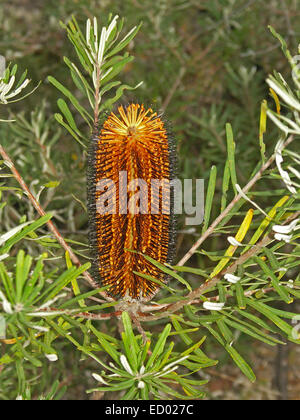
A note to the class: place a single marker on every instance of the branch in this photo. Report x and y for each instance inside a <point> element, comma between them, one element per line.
<point>97,317</point>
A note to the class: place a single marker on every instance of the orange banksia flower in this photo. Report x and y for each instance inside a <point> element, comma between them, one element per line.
<point>131,214</point>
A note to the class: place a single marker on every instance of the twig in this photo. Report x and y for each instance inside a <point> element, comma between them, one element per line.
<point>139,327</point>
<point>47,159</point>
<point>98,317</point>
<point>50,224</point>
<point>224,213</point>
<point>171,48</point>
<point>173,88</point>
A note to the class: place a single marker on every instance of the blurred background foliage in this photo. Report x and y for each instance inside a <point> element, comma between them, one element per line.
<point>202,62</point>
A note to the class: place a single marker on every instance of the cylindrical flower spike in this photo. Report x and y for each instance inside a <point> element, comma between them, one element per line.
<point>131,164</point>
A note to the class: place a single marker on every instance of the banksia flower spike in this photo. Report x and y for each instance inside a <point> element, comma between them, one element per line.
<point>131,163</point>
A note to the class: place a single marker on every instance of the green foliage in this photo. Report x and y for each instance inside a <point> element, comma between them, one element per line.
<point>144,370</point>
<point>99,56</point>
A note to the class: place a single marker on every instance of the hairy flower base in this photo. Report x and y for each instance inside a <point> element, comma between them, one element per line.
<point>136,142</point>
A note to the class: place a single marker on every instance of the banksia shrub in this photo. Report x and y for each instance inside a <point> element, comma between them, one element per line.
<point>131,318</point>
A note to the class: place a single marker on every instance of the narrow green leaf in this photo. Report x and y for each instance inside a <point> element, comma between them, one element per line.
<point>282,42</point>
<point>85,115</point>
<point>82,297</point>
<point>109,86</point>
<point>262,129</point>
<point>8,284</point>
<point>130,394</point>
<point>129,341</point>
<point>225,185</point>
<point>215,334</point>
<point>108,104</point>
<point>159,347</point>
<point>283,293</point>
<point>222,293</point>
<point>200,319</point>
<point>116,69</point>
<point>272,259</point>
<point>268,313</point>
<point>150,278</point>
<point>22,271</point>
<point>231,155</point>
<point>118,387</point>
<point>240,296</point>
<point>193,270</point>
<point>125,41</point>
<point>241,363</point>
<point>209,197</point>
<point>62,105</point>
<point>225,331</point>
<point>63,280</point>
<point>107,346</point>
<point>257,320</point>
<point>249,330</point>
<point>24,232</point>
<point>168,271</point>
<point>60,120</point>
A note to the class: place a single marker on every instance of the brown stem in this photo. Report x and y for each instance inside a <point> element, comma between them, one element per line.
<point>139,327</point>
<point>87,315</point>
